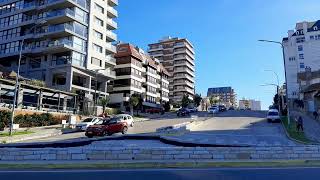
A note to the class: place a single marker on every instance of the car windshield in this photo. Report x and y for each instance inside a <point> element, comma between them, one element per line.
<point>273,113</point>
<point>87,120</point>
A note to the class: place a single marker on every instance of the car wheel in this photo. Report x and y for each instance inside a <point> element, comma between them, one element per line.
<point>269,120</point>
<point>109,133</point>
<point>124,130</point>
<point>90,136</point>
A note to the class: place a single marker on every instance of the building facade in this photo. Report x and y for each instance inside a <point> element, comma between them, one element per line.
<point>67,44</point>
<point>250,104</point>
<point>138,73</point>
<point>302,51</point>
<point>178,57</point>
<point>226,95</point>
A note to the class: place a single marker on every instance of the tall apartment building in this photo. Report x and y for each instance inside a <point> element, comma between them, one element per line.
<point>302,51</point>
<point>138,73</point>
<point>226,95</point>
<point>250,104</point>
<point>177,56</point>
<point>66,43</point>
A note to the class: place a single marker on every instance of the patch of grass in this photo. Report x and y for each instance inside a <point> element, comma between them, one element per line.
<point>142,165</point>
<point>292,130</point>
<point>6,134</point>
<point>138,116</point>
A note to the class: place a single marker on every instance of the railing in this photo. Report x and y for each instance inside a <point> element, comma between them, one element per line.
<point>112,47</point>
<point>111,59</point>
<point>112,10</point>
<point>81,3</point>
<point>61,12</point>
<point>112,22</point>
<point>111,34</point>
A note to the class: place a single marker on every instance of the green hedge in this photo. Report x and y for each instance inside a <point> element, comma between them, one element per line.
<point>113,111</point>
<point>33,120</point>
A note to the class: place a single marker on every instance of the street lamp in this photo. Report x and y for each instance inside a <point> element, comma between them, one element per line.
<point>18,74</point>
<point>277,86</point>
<point>285,72</point>
<point>96,84</point>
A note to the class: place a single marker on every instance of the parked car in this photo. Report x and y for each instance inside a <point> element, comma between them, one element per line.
<point>183,112</point>
<point>222,108</point>
<point>108,127</point>
<point>126,118</point>
<point>213,110</point>
<point>153,110</point>
<point>84,124</point>
<point>193,110</point>
<point>273,115</point>
<point>231,108</point>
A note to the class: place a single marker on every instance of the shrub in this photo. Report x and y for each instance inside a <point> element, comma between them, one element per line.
<point>113,111</point>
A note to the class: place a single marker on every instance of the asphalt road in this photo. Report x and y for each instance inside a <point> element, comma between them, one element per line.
<point>169,174</point>
<point>139,128</point>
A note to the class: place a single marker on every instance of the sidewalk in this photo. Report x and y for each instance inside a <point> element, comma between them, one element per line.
<point>311,126</point>
<point>39,132</point>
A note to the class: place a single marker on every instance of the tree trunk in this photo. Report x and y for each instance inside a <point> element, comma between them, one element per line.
<point>131,110</point>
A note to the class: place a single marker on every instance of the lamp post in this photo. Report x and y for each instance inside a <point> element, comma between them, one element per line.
<point>285,72</point>
<point>17,76</point>
<point>96,86</point>
<point>278,88</point>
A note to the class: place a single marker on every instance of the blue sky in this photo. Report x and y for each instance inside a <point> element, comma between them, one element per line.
<point>224,33</point>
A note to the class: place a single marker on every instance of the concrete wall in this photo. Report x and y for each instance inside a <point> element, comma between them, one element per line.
<point>164,153</point>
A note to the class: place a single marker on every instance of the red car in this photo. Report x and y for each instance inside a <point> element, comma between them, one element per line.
<point>108,127</point>
<point>153,110</point>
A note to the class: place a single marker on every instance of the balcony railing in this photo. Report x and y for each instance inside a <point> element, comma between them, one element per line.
<point>112,35</point>
<point>112,22</point>
<point>81,3</point>
<point>111,59</point>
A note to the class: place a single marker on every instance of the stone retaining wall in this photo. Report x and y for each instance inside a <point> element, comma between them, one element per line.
<point>165,153</point>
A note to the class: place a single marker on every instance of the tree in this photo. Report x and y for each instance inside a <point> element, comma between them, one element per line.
<point>134,102</point>
<point>197,100</point>
<point>167,106</point>
<point>104,102</point>
<point>185,101</point>
<point>214,100</point>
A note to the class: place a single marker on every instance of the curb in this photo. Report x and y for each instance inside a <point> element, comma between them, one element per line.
<point>125,137</point>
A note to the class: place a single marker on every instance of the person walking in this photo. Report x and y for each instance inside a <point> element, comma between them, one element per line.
<point>300,124</point>
<point>315,115</point>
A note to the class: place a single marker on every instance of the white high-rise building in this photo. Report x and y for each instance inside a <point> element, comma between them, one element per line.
<point>65,43</point>
<point>302,51</point>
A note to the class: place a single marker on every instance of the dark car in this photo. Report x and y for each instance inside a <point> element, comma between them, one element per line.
<point>183,112</point>
<point>108,127</point>
<point>153,110</point>
<point>222,108</point>
<point>231,108</point>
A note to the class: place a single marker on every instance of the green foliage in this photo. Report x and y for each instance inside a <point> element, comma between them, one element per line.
<point>34,120</point>
<point>214,100</point>
<point>113,111</point>
<point>134,101</point>
<point>104,102</point>
<point>197,100</point>
<point>35,82</point>
<point>291,129</point>
<point>185,101</point>
<point>167,107</point>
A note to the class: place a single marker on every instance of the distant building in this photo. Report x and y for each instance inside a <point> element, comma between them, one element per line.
<point>250,104</point>
<point>226,95</point>
<point>138,73</point>
<point>178,57</point>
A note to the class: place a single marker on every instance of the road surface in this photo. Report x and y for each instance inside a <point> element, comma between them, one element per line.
<point>139,128</point>
<point>169,174</point>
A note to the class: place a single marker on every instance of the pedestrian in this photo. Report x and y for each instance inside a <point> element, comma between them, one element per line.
<point>315,115</point>
<point>299,124</point>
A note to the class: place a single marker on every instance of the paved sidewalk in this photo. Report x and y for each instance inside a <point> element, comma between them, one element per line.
<point>311,126</point>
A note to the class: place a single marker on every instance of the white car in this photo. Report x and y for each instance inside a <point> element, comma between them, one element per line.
<point>213,110</point>
<point>126,118</point>
<point>273,115</point>
<point>83,125</point>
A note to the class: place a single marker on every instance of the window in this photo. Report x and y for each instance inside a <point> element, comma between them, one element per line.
<point>98,35</point>
<point>96,62</point>
<point>300,48</point>
<point>315,28</point>
<point>97,48</point>
<point>99,8</point>
<point>98,21</point>
<point>302,66</point>
<point>301,56</point>
<point>311,37</point>
<point>300,39</point>
<point>292,58</point>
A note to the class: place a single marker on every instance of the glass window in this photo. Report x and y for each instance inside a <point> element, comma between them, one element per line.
<point>98,35</point>
<point>302,65</point>
<point>98,21</point>
<point>301,56</point>
<point>97,48</point>
<point>300,48</point>
<point>98,8</point>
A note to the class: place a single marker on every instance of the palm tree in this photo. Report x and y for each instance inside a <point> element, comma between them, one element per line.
<point>214,100</point>
<point>134,102</point>
<point>104,102</point>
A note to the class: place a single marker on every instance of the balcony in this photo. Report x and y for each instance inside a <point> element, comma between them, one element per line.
<point>56,4</point>
<point>111,61</point>
<point>113,2</point>
<point>112,24</point>
<point>112,12</point>
<point>110,74</point>
<point>111,48</point>
<point>158,48</point>
<point>62,16</point>
<point>111,36</point>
